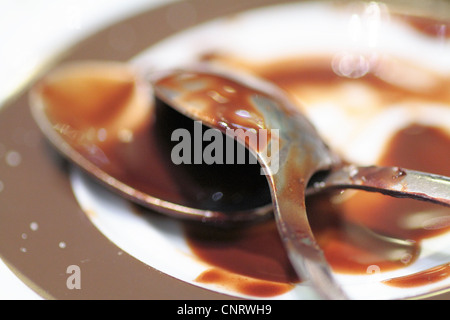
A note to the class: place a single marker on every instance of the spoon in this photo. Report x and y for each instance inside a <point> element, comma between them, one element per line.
<point>303,157</point>
<point>102,117</point>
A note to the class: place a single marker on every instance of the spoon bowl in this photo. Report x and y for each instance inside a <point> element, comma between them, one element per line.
<point>102,116</point>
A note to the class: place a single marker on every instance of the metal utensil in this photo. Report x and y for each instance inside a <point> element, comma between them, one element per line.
<point>303,158</point>
<point>303,163</point>
<point>69,105</point>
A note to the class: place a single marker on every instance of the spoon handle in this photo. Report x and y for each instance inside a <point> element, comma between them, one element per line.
<point>392,181</point>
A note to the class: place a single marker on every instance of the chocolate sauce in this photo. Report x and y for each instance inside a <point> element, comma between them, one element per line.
<point>243,284</point>
<point>384,215</point>
<point>428,26</point>
<point>251,260</point>
<point>309,77</point>
<point>425,277</point>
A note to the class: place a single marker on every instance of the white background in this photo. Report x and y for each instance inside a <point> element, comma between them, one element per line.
<point>32,31</point>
